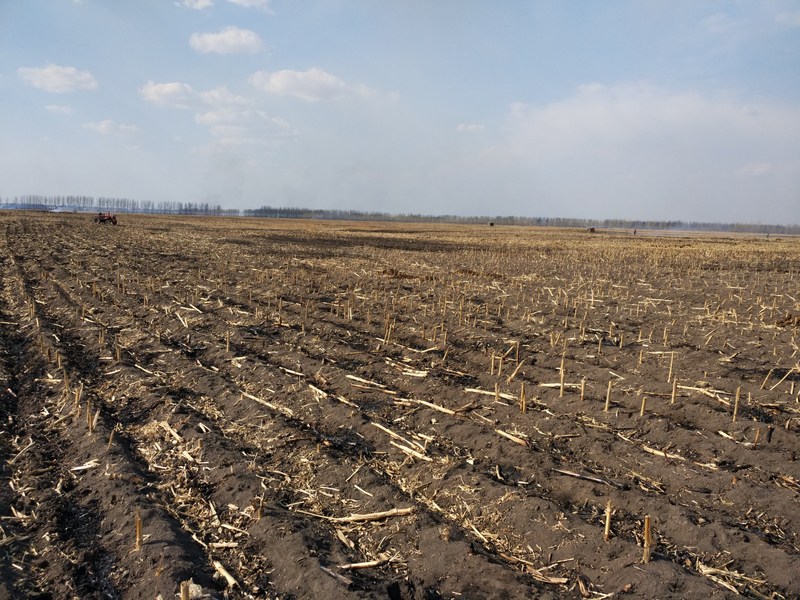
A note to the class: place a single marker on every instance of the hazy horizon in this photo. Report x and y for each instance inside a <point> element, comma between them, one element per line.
<point>664,111</point>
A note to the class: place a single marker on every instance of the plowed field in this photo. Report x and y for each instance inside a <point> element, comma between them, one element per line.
<point>235,408</point>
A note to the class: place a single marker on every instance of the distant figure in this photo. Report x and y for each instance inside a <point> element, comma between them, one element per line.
<point>634,232</point>
<point>591,230</point>
<point>491,224</point>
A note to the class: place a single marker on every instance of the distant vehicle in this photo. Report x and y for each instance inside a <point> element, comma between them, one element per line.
<point>105,218</point>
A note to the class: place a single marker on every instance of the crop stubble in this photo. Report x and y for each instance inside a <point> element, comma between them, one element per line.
<point>302,409</point>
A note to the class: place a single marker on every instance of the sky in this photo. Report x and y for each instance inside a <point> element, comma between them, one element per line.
<point>682,110</point>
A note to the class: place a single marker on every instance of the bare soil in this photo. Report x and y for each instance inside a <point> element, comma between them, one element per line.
<point>348,410</point>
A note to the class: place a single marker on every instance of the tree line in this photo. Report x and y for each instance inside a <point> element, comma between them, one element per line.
<point>128,205</point>
<point>354,215</point>
<point>122,205</point>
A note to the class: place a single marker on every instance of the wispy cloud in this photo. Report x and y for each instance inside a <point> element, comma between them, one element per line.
<point>203,4</point>
<point>262,4</point>
<point>231,40</point>
<point>233,121</point>
<point>173,93</point>
<point>718,23</point>
<point>641,117</point>
<point>109,127</point>
<point>312,85</point>
<point>196,4</point>
<point>57,79</point>
<point>243,128</point>
<point>638,141</point>
<point>222,97</point>
<point>59,108</point>
<point>470,127</point>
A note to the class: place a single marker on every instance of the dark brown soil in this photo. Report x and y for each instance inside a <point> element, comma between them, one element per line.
<point>332,410</point>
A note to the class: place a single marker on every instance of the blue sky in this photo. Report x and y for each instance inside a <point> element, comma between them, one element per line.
<point>673,109</point>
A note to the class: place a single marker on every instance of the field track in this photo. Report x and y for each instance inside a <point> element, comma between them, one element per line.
<point>300,409</point>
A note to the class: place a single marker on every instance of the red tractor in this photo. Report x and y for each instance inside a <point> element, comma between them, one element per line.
<point>105,218</point>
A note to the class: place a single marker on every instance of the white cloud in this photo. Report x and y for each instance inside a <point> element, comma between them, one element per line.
<point>230,40</point>
<point>603,119</point>
<point>58,108</point>
<point>311,85</point>
<point>263,4</point>
<point>637,150</point>
<point>109,127</point>
<point>196,4</point>
<point>218,116</point>
<point>203,4</point>
<point>470,127</point>
<point>57,78</point>
<point>174,94</point>
<point>220,96</point>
